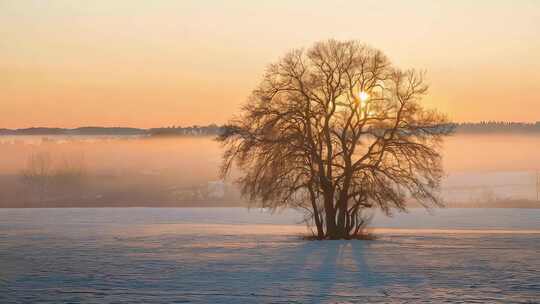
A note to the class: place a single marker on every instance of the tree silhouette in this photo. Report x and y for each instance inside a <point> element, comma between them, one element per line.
<point>335,130</point>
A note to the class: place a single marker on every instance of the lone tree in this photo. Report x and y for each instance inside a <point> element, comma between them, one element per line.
<point>335,130</point>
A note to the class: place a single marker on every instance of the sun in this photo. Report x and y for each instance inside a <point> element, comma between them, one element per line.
<point>363,96</point>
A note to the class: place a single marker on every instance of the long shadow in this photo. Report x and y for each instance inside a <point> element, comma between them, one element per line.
<point>306,271</point>
<point>336,269</point>
<point>314,270</point>
<point>367,274</point>
<point>364,274</point>
<point>330,270</point>
<point>288,269</point>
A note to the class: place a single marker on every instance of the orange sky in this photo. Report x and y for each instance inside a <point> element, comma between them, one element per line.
<point>153,63</point>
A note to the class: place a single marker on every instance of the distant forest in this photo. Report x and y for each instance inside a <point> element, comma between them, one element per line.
<point>213,129</point>
<point>499,127</point>
<point>209,130</point>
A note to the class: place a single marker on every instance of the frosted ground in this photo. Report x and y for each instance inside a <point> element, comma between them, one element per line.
<point>190,255</point>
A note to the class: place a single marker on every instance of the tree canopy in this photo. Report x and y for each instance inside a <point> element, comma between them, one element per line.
<point>335,130</point>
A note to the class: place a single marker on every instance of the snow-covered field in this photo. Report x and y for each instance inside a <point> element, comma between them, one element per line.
<point>232,255</point>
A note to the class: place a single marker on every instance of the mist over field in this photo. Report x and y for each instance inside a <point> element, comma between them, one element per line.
<point>483,170</point>
<point>112,171</point>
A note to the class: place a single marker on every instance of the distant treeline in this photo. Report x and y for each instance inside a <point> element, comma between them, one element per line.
<point>213,129</point>
<point>209,130</point>
<point>498,127</point>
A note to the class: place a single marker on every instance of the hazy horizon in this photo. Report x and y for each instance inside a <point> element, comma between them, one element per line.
<point>179,125</point>
<point>178,171</point>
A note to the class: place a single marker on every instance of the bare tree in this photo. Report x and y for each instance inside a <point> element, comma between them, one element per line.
<point>38,173</point>
<point>70,171</point>
<point>336,130</point>
<point>46,177</point>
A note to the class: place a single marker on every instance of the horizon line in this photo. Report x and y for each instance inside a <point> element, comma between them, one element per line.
<point>220,125</point>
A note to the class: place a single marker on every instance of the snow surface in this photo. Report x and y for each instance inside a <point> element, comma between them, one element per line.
<point>232,255</point>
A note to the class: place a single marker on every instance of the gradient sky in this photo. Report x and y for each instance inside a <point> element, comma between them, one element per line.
<point>153,63</point>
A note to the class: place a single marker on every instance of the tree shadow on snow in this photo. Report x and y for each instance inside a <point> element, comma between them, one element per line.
<point>324,270</point>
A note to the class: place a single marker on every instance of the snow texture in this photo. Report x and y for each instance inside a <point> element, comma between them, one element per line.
<point>146,255</point>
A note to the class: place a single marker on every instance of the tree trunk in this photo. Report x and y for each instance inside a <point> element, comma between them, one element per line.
<point>331,227</point>
<point>317,219</point>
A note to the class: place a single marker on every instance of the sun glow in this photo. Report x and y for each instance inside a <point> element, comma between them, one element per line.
<point>363,96</point>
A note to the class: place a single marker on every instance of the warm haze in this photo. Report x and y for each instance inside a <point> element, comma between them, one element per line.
<point>388,151</point>
<point>153,63</point>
